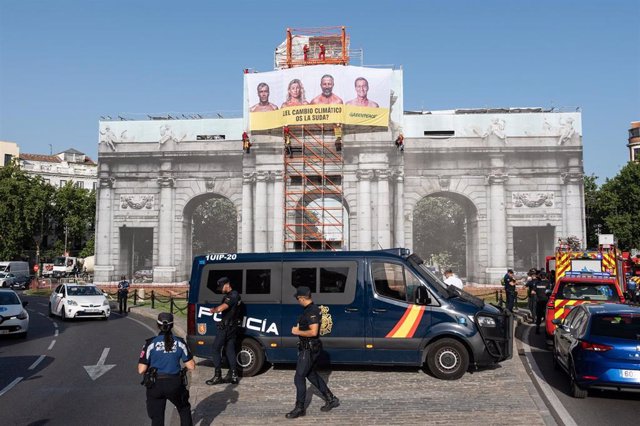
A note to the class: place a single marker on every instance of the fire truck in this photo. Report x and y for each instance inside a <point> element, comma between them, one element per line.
<point>589,276</point>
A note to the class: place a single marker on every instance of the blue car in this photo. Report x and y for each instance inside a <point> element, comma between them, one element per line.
<point>598,345</point>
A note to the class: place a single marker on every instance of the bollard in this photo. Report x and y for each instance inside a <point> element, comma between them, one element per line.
<point>135,298</point>
<point>153,300</point>
<point>141,295</point>
<point>171,304</point>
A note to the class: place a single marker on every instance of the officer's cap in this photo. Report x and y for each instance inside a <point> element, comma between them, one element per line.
<point>222,281</point>
<point>165,318</point>
<point>303,291</point>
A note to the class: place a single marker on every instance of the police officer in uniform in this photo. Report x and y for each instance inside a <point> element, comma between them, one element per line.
<point>160,363</point>
<point>123,293</point>
<point>509,282</point>
<point>227,333</point>
<point>542,285</point>
<point>532,282</point>
<point>309,347</point>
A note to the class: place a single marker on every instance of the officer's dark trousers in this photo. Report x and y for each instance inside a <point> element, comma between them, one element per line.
<point>170,388</point>
<point>122,300</point>
<point>511,300</point>
<point>225,338</point>
<point>541,307</point>
<point>306,369</point>
<point>531,304</point>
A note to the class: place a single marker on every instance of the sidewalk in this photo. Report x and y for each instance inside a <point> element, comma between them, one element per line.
<point>504,395</point>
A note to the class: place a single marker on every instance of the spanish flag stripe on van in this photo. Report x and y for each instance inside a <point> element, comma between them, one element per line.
<point>406,327</point>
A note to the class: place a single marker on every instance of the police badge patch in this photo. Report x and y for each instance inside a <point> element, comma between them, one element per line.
<point>202,328</point>
<point>327,321</point>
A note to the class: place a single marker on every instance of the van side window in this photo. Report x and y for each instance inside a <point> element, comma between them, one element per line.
<point>234,275</point>
<point>389,280</point>
<point>304,277</point>
<point>333,280</point>
<point>258,281</point>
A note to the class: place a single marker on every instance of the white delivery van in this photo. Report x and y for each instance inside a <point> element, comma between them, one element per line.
<point>16,268</point>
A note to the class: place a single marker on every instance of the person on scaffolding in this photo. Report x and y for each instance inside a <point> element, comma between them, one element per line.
<point>287,141</point>
<point>246,144</point>
<point>400,142</point>
<point>337,131</point>
<point>305,51</point>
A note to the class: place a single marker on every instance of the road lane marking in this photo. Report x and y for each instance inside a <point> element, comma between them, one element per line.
<point>144,325</point>
<point>56,333</point>
<point>35,364</point>
<point>10,385</point>
<point>40,313</point>
<point>95,371</point>
<point>53,342</point>
<point>546,389</point>
<point>43,304</point>
<point>55,325</point>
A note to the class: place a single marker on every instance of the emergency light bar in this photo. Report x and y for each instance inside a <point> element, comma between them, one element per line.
<point>587,274</point>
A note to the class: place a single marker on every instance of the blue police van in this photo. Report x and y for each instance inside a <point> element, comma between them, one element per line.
<point>379,308</point>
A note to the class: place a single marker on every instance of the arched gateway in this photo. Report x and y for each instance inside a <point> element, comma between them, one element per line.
<point>517,173</point>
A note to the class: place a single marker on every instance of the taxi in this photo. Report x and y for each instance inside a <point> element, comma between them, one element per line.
<point>79,301</point>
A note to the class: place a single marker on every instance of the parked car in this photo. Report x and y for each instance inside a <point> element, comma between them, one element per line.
<point>21,282</point>
<point>14,318</point>
<point>79,301</point>
<point>598,346</point>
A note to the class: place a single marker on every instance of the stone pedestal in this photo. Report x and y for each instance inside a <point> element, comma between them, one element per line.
<point>164,274</point>
<point>103,273</point>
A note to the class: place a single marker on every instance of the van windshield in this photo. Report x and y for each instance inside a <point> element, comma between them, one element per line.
<point>439,286</point>
<point>59,261</point>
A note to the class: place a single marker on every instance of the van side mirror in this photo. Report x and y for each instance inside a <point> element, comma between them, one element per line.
<point>556,321</point>
<point>422,296</point>
<point>547,292</point>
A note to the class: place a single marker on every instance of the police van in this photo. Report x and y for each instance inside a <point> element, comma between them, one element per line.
<point>379,308</point>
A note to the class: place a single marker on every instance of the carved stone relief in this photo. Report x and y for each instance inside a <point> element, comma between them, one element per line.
<point>136,202</point>
<point>532,199</point>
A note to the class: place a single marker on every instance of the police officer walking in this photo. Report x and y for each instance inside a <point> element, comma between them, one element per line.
<point>227,333</point>
<point>160,363</point>
<point>509,282</point>
<point>123,293</point>
<point>309,347</point>
<point>532,282</point>
<point>542,285</point>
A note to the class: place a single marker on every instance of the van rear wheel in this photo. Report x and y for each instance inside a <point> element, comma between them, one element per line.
<point>447,359</point>
<point>250,358</point>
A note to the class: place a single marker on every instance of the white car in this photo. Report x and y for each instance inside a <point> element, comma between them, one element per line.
<point>14,318</point>
<point>79,301</point>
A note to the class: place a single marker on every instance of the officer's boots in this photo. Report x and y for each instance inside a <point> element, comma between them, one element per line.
<point>330,402</point>
<point>298,411</point>
<point>216,379</point>
<point>232,377</point>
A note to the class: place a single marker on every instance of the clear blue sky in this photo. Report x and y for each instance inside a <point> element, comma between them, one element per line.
<point>64,63</point>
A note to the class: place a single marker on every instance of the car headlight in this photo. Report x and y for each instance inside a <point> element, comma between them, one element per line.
<point>105,302</point>
<point>486,321</point>
<point>72,302</point>
<point>23,315</point>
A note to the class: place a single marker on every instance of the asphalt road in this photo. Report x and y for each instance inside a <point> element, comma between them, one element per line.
<point>599,408</point>
<point>43,379</point>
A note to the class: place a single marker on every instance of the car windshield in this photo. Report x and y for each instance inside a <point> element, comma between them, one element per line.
<point>621,326</point>
<point>576,290</point>
<point>59,261</point>
<point>83,291</point>
<point>9,298</point>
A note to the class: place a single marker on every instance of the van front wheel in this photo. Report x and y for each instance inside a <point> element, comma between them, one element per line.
<point>250,358</point>
<point>447,359</point>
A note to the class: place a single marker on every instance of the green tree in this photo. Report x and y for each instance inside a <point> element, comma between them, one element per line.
<point>74,211</point>
<point>439,229</point>
<point>593,212</point>
<point>619,205</point>
<point>214,227</point>
<point>24,212</point>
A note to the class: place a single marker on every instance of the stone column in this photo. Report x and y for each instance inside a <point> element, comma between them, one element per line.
<point>572,204</point>
<point>364,209</point>
<point>247,212</point>
<point>384,216</point>
<point>260,238</point>
<point>399,211</point>
<point>103,269</point>
<point>497,243</point>
<point>164,272</point>
<point>278,211</point>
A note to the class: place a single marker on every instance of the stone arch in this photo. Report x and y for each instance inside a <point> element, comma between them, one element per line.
<point>331,216</point>
<point>471,232</point>
<point>217,244</point>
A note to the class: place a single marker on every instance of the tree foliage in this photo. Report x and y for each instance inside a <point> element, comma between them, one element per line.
<point>31,213</point>
<point>617,208</point>
<point>439,232</point>
<point>214,227</point>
